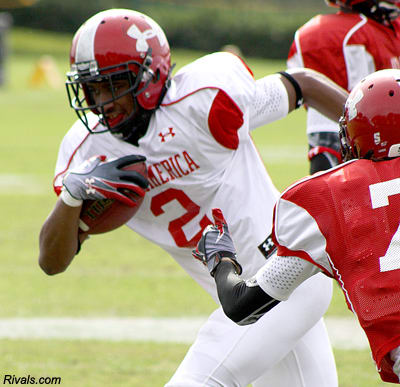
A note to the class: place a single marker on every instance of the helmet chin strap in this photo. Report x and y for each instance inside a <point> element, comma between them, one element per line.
<point>134,127</point>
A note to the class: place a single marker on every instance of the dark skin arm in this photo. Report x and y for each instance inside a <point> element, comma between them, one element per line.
<point>318,91</point>
<point>58,239</point>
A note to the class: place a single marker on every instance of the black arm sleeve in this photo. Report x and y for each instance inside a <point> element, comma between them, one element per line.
<point>244,302</point>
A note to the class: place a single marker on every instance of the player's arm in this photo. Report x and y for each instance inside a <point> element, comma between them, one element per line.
<point>245,301</point>
<point>278,94</point>
<point>241,301</point>
<point>95,179</point>
<point>314,89</point>
<point>58,238</point>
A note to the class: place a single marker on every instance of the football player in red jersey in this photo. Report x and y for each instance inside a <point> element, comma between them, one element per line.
<point>362,37</point>
<point>343,222</point>
<point>194,129</point>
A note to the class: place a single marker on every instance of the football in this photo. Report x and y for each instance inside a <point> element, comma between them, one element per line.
<point>100,216</point>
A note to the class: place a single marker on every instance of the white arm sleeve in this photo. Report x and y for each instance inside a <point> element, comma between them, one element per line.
<point>281,275</point>
<point>270,101</point>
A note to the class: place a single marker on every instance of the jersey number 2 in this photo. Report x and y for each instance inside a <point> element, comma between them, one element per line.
<point>175,226</point>
<point>380,193</point>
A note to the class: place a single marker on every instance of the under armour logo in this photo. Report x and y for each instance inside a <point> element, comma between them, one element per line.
<point>268,244</point>
<point>170,132</point>
<point>142,37</point>
<point>90,190</point>
<point>267,247</point>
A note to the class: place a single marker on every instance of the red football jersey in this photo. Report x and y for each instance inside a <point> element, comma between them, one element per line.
<point>347,222</point>
<point>346,47</point>
<point>349,44</point>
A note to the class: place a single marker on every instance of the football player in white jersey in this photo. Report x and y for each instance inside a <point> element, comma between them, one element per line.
<point>362,37</point>
<point>194,131</point>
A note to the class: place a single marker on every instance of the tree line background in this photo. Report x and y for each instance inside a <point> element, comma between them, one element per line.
<point>259,28</point>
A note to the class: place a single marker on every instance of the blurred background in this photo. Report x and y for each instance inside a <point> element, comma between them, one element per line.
<point>260,28</point>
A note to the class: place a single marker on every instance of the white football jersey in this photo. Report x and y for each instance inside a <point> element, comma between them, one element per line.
<point>200,155</point>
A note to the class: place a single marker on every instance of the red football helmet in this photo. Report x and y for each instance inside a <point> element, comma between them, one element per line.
<point>119,44</point>
<point>380,10</point>
<point>370,125</point>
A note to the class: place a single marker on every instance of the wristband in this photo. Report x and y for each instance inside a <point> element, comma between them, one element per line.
<point>297,88</point>
<point>69,200</point>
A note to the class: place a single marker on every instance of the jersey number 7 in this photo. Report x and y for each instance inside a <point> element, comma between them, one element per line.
<point>380,193</point>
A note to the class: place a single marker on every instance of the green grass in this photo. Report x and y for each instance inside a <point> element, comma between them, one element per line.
<point>118,274</point>
<point>92,363</point>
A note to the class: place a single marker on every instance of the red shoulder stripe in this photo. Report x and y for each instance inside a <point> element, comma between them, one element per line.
<point>224,120</point>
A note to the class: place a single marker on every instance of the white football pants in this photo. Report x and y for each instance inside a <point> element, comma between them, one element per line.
<point>288,347</point>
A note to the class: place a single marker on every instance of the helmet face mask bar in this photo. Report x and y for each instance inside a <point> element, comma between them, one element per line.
<point>345,147</point>
<point>80,94</point>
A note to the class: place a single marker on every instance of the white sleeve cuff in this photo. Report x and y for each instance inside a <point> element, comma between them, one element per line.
<point>270,101</point>
<point>69,200</point>
<point>280,276</point>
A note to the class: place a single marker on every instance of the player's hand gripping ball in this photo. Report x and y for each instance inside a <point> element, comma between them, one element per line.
<point>112,191</point>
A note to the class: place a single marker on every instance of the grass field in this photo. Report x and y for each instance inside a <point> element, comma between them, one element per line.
<point>119,273</point>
